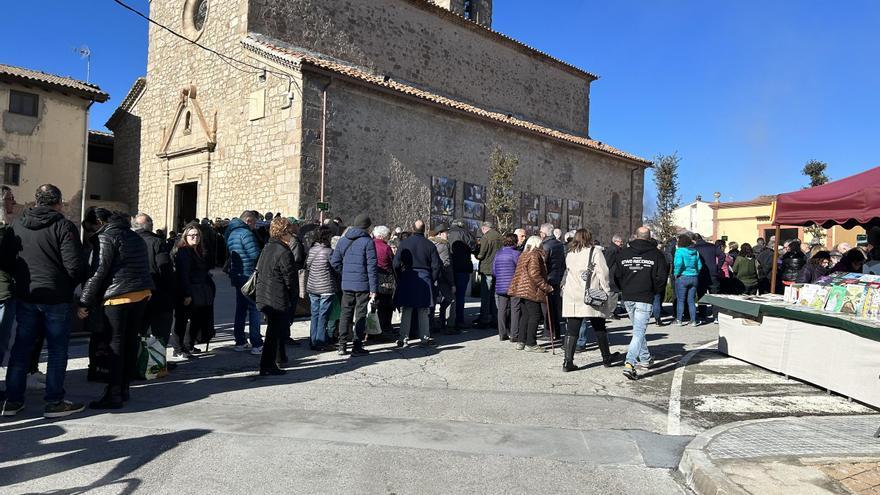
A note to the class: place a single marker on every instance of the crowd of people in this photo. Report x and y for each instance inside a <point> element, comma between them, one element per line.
<point>136,282</point>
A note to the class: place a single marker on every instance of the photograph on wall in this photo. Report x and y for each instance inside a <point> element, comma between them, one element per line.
<point>554,211</point>
<point>474,211</point>
<point>438,219</point>
<point>474,193</point>
<point>575,214</point>
<point>442,196</point>
<point>473,226</point>
<point>530,211</point>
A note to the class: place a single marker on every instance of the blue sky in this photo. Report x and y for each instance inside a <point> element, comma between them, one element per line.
<point>745,91</point>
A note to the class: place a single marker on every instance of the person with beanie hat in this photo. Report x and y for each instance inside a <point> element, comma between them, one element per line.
<point>355,258</point>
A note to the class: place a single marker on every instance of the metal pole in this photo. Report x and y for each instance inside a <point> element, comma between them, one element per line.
<point>85,171</point>
<point>323,143</point>
<point>775,261</point>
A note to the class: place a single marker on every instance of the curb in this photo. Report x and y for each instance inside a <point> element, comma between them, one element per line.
<point>699,471</point>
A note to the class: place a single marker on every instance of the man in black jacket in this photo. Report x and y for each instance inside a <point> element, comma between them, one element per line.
<point>7,263</point>
<point>555,262</point>
<point>462,245</point>
<point>48,267</point>
<point>641,274</point>
<point>160,308</point>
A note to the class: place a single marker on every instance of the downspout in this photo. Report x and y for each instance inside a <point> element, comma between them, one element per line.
<point>323,142</point>
<point>85,170</point>
<point>632,196</point>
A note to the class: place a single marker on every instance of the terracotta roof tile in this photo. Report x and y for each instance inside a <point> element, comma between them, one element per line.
<point>51,81</point>
<point>293,57</point>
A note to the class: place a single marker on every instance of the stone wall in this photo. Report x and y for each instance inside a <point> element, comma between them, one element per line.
<point>252,166</point>
<point>382,151</point>
<point>408,40</point>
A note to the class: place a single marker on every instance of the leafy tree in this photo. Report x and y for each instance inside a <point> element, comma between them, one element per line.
<point>815,170</point>
<point>502,201</point>
<point>668,199</point>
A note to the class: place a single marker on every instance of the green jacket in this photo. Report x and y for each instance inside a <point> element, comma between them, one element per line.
<point>490,244</point>
<point>745,270</point>
<point>7,260</point>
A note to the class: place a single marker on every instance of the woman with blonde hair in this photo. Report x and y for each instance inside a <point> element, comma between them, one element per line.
<point>277,288</point>
<point>586,271</point>
<point>530,284</point>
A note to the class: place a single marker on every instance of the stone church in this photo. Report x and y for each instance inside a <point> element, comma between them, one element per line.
<point>360,103</point>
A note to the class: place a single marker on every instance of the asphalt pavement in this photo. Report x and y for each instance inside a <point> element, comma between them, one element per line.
<point>472,415</point>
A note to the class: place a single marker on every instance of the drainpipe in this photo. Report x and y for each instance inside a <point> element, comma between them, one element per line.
<point>85,171</point>
<point>323,142</point>
<point>632,196</point>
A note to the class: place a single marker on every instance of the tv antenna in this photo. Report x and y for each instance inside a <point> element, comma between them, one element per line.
<point>85,53</point>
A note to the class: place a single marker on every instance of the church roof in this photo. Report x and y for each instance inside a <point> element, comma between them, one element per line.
<point>292,57</point>
<point>45,80</point>
<point>134,93</point>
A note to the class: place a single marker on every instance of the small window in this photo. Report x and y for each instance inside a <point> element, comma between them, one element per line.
<point>200,13</point>
<point>615,205</point>
<point>12,174</point>
<point>187,123</point>
<point>23,103</point>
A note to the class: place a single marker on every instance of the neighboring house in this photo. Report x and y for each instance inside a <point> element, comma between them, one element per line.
<point>695,217</point>
<point>745,221</point>
<point>43,134</point>
<point>101,187</point>
<point>406,90</point>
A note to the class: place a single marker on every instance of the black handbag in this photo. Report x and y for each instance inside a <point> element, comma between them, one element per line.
<point>596,298</point>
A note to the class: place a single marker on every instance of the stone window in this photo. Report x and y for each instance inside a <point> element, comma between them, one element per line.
<point>12,174</point>
<point>615,205</point>
<point>23,103</point>
<point>187,123</point>
<point>195,15</point>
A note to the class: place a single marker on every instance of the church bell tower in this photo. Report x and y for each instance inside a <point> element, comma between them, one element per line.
<point>479,11</point>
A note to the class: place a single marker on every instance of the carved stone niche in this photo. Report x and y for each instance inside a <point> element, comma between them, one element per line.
<point>189,132</point>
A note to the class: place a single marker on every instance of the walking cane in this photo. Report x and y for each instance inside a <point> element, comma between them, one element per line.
<point>550,325</point>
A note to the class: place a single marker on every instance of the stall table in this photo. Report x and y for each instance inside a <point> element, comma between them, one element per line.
<point>834,352</point>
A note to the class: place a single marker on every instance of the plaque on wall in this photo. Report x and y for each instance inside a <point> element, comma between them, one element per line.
<point>554,211</point>
<point>530,211</point>
<point>575,214</point>
<point>442,196</point>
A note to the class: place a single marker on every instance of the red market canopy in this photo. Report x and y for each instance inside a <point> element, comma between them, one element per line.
<point>849,202</point>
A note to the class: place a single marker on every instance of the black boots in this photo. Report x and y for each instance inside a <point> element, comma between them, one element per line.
<point>568,345</point>
<point>608,359</point>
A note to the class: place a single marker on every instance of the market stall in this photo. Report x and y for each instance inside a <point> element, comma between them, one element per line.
<point>827,333</point>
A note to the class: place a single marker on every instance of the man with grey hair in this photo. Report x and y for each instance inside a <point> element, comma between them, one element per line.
<point>490,244</point>
<point>418,267</point>
<point>521,236</point>
<point>159,316</point>
<point>555,261</point>
<point>641,273</point>
<point>7,263</point>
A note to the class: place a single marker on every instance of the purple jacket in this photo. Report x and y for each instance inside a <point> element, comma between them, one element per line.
<point>504,267</point>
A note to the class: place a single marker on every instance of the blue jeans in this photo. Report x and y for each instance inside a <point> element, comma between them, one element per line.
<point>321,304</point>
<point>58,320</point>
<point>246,309</point>
<point>686,288</point>
<point>582,334</point>
<point>461,283</point>
<point>639,314</point>
<point>7,318</point>
<point>657,309</point>
<point>488,307</point>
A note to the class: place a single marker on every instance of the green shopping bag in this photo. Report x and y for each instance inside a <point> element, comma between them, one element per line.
<point>335,309</point>
<point>151,358</point>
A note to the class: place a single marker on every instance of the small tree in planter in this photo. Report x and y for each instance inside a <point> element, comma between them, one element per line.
<point>502,201</point>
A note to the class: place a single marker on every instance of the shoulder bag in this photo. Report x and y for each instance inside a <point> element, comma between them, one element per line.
<point>596,298</point>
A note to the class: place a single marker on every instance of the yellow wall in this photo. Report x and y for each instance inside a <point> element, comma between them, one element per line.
<point>746,223</point>
<point>50,147</point>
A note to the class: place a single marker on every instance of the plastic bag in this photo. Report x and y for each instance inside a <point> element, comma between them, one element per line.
<point>151,358</point>
<point>335,309</point>
<point>373,325</point>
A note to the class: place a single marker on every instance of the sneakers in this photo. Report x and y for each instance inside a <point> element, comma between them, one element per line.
<point>646,364</point>
<point>11,408</point>
<point>62,408</point>
<point>679,323</point>
<point>241,348</point>
<point>535,348</point>
<point>520,346</point>
<point>36,381</point>
<point>629,371</point>
<point>256,351</point>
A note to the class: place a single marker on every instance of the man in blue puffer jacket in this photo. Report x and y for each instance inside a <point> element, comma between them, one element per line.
<point>244,250</point>
<point>355,258</point>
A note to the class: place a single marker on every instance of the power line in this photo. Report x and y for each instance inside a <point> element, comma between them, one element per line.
<point>226,58</point>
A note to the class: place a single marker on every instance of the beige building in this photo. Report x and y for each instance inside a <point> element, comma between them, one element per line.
<point>44,133</point>
<point>745,221</point>
<point>359,104</point>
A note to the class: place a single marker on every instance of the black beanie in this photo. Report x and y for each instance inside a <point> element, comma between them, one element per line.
<point>362,222</point>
